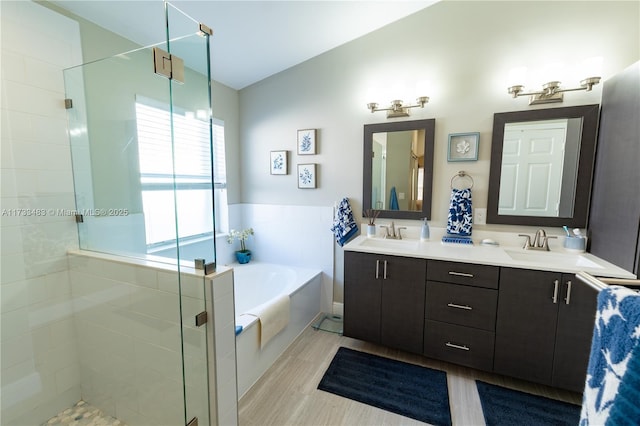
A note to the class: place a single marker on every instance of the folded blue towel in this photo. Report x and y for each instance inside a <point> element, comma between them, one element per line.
<point>393,199</point>
<point>238,329</point>
<point>457,239</point>
<point>460,219</point>
<point>344,225</point>
<point>616,335</point>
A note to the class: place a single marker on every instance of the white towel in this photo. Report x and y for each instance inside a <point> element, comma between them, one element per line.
<point>273,316</point>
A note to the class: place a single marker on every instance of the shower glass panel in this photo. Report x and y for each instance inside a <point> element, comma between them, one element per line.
<point>193,189</point>
<point>142,155</point>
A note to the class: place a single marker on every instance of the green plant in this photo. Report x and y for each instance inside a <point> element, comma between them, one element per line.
<point>241,236</point>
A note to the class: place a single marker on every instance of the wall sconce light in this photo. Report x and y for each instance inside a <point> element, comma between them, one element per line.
<point>551,91</point>
<point>397,109</point>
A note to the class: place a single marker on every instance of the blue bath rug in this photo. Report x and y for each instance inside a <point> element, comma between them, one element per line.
<point>406,389</point>
<point>505,407</point>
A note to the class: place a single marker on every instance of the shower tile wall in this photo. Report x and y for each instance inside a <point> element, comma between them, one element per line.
<point>224,375</point>
<point>128,322</point>
<point>40,368</point>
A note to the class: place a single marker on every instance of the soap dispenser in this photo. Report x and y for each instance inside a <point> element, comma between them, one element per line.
<point>424,232</point>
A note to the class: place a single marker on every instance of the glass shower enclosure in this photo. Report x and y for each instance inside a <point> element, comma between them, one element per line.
<point>140,128</point>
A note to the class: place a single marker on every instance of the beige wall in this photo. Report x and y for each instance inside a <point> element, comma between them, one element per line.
<point>465,49</point>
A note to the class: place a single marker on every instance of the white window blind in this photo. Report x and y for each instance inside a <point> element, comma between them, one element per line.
<point>190,157</point>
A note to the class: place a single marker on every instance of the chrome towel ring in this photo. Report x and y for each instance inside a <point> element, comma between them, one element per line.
<point>462,175</point>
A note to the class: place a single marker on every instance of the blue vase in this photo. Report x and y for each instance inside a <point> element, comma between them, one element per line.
<point>243,256</point>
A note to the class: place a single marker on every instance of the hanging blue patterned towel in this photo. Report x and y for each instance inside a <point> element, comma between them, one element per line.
<point>344,225</point>
<point>625,407</point>
<point>460,220</point>
<point>616,334</point>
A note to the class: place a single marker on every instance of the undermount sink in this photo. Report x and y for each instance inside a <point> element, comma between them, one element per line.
<point>389,244</point>
<point>552,258</point>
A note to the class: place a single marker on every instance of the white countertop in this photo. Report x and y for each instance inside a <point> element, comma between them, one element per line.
<point>508,253</point>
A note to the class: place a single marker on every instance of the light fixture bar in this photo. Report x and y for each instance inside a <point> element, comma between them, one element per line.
<point>551,91</point>
<point>397,109</point>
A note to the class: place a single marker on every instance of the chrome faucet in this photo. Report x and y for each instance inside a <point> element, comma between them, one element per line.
<point>540,241</point>
<point>390,231</point>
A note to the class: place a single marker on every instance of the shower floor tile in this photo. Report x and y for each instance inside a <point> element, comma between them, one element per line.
<point>83,414</point>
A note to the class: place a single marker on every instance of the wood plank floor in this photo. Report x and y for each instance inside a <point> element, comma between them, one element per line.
<point>287,394</point>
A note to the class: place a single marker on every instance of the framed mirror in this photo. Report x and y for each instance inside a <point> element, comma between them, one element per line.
<point>398,168</point>
<point>542,165</point>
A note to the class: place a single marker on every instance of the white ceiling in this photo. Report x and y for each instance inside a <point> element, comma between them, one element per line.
<point>252,39</point>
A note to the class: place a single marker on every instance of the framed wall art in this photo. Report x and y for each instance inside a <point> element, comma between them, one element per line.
<point>307,142</point>
<point>279,164</point>
<point>463,146</point>
<point>306,176</point>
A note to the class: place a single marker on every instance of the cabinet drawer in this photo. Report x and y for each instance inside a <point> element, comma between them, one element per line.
<point>462,305</point>
<point>463,273</point>
<point>459,345</point>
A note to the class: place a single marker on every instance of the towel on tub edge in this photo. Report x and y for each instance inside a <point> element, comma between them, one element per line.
<point>273,316</point>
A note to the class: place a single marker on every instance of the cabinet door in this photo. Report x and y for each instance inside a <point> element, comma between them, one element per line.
<point>402,313</point>
<point>526,324</point>
<point>576,316</point>
<point>362,296</point>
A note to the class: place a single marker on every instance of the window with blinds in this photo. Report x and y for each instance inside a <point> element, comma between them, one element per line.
<point>189,160</point>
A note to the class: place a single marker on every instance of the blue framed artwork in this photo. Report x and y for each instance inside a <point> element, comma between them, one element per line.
<point>463,146</point>
<point>307,142</point>
<point>306,176</point>
<point>279,163</point>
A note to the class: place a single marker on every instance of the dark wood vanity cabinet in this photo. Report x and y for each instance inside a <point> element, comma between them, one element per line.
<point>544,327</point>
<point>384,299</point>
<point>460,315</point>
<point>533,325</point>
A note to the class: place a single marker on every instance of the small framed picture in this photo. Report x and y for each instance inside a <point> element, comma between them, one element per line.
<point>463,146</point>
<point>279,163</point>
<point>307,142</point>
<point>306,176</point>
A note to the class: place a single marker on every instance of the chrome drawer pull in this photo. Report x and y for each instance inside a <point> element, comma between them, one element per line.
<point>453,305</point>
<point>453,345</point>
<point>555,291</point>
<point>377,269</point>
<point>461,274</point>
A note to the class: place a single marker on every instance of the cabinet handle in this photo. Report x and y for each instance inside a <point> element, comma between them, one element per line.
<point>566,299</point>
<point>454,346</point>
<point>555,291</point>
<point>461,274</point>
<point>385,270</point>
<point>454,305</point>
<point>377,269</point>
